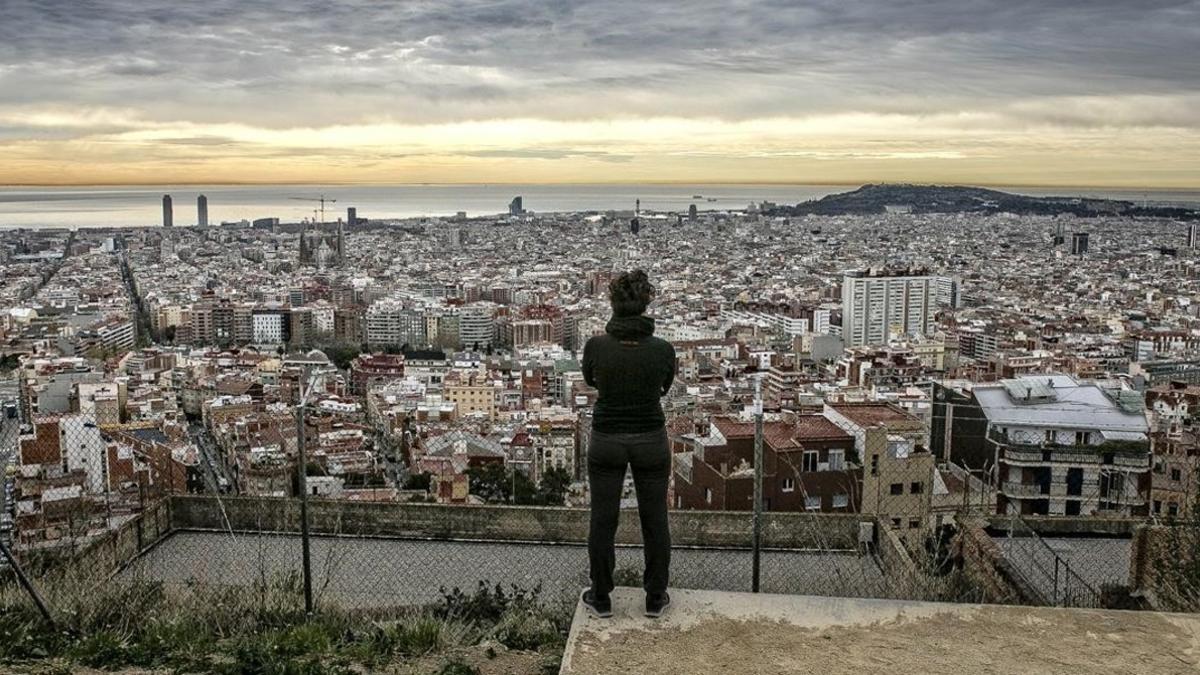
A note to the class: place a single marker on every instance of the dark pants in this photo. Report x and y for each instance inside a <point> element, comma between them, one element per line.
<point>608,456</point>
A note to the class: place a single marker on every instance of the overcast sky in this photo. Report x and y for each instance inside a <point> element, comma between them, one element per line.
<point>1077,92</point>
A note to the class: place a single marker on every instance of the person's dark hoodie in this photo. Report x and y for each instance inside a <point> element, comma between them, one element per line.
<point>632,369</point>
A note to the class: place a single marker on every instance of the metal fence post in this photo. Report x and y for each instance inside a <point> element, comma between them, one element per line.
<point>756,544</point>
<point>1056,580</point>
<point>302,484</point>
<point>26,583</point>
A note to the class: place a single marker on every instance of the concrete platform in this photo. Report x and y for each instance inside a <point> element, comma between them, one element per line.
<point>742,633</point>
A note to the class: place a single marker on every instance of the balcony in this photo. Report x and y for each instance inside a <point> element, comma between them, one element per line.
<point>1128,454</point>
<point>1023,490</point>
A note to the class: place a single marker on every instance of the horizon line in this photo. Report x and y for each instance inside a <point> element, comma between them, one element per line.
<point>235,183</point>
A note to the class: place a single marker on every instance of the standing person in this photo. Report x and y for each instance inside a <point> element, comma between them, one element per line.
<point>632,370</point>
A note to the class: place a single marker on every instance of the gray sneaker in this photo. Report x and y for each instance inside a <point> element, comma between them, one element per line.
<point>657,604</point>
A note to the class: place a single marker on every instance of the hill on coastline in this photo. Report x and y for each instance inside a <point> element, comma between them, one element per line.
<point>872,199</point>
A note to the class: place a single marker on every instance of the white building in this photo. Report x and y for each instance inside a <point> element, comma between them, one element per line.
<point>268,328</point>
<point>878,306</point>
<point>389,322</point>
<point>1065,447</point>
<point>476,326</point>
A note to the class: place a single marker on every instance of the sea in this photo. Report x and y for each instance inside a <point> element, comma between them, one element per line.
<point>141,206</point>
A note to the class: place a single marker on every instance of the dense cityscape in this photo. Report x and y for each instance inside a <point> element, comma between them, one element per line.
<point>441,360</point>
<point>498,337</point>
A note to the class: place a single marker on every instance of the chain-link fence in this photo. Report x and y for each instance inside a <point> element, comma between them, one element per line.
<point>901,498</point>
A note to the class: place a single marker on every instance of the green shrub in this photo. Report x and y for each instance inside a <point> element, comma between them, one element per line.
<point>103,649</point>
<point>26,635</point>
<point>527,629</point>
<point>487,604</point>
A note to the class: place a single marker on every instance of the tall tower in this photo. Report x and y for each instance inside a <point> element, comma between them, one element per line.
<point>880,305</point>
<point>202,211</point>
<point>1194,235</point>
<point>168,213</point>
<point>341,242</point>
<point>1079,243</point>
<point>635,225</point>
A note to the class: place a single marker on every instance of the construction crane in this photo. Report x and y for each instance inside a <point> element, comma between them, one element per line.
<point>321,199</point>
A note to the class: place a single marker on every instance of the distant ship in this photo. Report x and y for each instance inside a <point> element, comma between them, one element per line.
<point>712,199</point>
<point>697,196</point>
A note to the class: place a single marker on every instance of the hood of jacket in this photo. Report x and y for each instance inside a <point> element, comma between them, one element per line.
<point>630,327</point>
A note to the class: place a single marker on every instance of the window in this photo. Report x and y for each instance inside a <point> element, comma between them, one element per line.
<point>810,460</point>
<point>916,488</point>
<point>837,460</point>
<point>1172,509</point>
<point>897,488</point>
<point>708,496</point>
<point>914,523</point>
<point>1176,474</point>
<point>874,465</point>
<point>789,485</point>
<point>812,503</point>
<point>841,501</point>
<point>1157,506</point>
<point>1082,437</point>
<point>895,523</point>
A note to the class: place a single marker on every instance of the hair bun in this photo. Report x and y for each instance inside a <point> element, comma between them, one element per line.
<point>630,293</point>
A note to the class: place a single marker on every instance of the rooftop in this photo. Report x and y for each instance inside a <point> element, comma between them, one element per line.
<point>1057,402</point>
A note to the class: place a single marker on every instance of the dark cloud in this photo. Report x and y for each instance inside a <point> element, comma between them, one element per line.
<point>285,63</point>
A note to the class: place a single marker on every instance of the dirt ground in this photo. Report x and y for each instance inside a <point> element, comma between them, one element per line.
<point>498,661</point>
<point>990,640</point>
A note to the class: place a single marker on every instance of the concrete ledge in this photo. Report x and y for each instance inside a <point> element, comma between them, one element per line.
<point>718,529</point>
<point>1051,526</point>
<point>715,632</point>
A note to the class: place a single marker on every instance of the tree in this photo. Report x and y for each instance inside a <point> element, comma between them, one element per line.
<point>497,485</point>
<point>419,481</point>
<point>341,354</point>
<point>490,482</point>
<point>553,489</point>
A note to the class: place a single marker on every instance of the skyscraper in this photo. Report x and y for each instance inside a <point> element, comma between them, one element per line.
<point>352,216</point>
<point>1079,243</point>
<point>879,305</point>
<point>692,213</point>
<point>168,213</point>
<point>1194,235</point>
<point>202,211</point>
<point>516,207</point>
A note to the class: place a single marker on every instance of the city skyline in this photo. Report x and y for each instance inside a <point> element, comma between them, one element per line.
<point>1078,94</point>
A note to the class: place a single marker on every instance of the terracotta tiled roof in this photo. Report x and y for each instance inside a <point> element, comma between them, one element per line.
<point>731,428</point>
<point>818,427</point>
<point>779,435</point>
<point>681,425</point>
<point>873,414</point>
